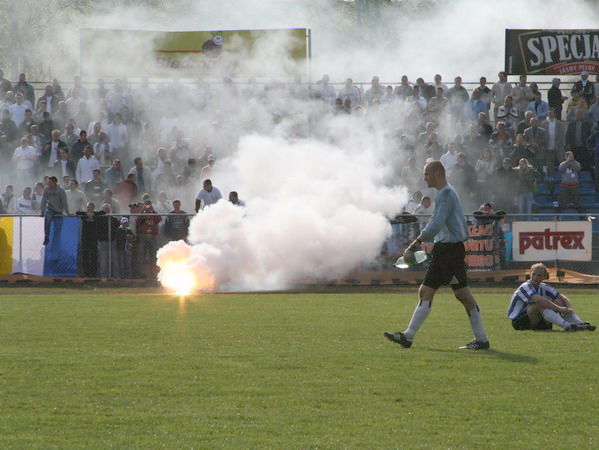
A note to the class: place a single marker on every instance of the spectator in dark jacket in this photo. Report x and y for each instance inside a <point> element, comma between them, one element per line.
<point>504,183</point>
<point>577,133</point>
<point>555,98</point>
<point>176,225</point>
<point>463,179</point>
<point>124,249</point>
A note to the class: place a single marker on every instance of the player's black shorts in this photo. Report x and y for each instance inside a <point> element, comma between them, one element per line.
<point>522,322</point>
<point>447,266</point>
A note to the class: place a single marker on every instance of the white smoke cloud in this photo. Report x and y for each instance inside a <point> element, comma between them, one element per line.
<point>314,211</point>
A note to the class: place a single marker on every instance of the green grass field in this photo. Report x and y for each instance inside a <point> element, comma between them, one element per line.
<point>92,368</point>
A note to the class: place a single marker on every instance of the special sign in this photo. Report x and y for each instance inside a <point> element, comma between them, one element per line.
<point>543,241</point>
<point>551,52</point>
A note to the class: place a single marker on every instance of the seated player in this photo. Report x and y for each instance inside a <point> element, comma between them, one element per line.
<point>536,305</point>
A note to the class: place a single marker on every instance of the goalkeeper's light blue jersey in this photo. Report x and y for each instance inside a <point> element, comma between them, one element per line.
<point>448,223</point>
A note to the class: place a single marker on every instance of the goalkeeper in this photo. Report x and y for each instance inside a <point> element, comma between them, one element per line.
<point>449,230</point>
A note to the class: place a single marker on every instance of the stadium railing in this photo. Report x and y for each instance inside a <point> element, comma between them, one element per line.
<point>566,243</point>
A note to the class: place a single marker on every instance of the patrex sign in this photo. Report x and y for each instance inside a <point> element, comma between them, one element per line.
<point>544,241</point>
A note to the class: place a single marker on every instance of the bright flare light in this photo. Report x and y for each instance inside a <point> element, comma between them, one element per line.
<point>179,279</point>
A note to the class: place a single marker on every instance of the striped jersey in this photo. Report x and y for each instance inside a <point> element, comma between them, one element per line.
<point>521,298</point>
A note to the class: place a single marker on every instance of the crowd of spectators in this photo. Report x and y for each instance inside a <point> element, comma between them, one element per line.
<point>147,149</point>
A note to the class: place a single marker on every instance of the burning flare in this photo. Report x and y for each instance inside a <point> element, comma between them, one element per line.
<point>181,271</point>
<point>178,278</point>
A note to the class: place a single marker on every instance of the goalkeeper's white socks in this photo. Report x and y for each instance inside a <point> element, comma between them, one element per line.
<point>476,322</point>
<point>420,314</point>
<point>553,317</point>
<point>572,318</point>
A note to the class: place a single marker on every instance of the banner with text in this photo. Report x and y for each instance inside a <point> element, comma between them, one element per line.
<point>238,53</point>
<point>544,241</point>
<point>485,248</point>
<point>551,52</point>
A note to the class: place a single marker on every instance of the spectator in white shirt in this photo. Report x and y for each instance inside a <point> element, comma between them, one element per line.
<point>118,135</point>
<point>86,165</point>
<point>351,92</point>
<point>118,97</point>
<point>209,195</point>
<point>326,91</point>
<point>25,204</point>
<point>25,157</point>
<point>82,90</point>
<point>449,159</point>
<point>17,111</point>
<point>75,198</point>
<point>168,127</point>
<point>75,100</point>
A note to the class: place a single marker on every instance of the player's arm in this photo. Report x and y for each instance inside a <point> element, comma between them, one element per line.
<point>565,301</point>
<point>547,304</point>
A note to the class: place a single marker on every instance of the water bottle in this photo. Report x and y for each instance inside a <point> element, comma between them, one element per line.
<point>419,257</point>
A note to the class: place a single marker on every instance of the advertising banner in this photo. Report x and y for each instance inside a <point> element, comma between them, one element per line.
<point>551,52</point>
<point>485,248</point>
<point>239,53</point>
<point>544,241</point>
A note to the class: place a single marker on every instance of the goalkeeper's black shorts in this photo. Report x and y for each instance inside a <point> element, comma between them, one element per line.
<point>447,266</point>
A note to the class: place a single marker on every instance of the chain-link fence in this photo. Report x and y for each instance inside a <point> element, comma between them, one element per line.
<point>111,246</point>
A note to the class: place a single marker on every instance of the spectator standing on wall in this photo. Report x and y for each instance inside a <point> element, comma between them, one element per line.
<point>54,202</point>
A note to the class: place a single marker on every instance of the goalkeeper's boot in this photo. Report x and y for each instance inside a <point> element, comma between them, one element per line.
<point>476,345</point>
<point>399,338</point>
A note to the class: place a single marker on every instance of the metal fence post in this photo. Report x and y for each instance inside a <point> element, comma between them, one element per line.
<point>110,246</point>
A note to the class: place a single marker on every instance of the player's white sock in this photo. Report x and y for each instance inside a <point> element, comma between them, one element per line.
<point>420,314</point>
<point>572,318</point>
<point>476,322</point>
<point>551,316</point>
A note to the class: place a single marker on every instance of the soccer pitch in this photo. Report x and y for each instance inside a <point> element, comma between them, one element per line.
<point>98,368</point>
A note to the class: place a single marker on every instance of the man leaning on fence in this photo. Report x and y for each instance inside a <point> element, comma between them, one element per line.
<point>54,202</point>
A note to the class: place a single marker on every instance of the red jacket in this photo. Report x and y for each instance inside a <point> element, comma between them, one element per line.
<point>147,224</point>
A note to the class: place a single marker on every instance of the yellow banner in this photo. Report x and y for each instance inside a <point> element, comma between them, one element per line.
<point>240,53</point>
<point>6,245</point>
